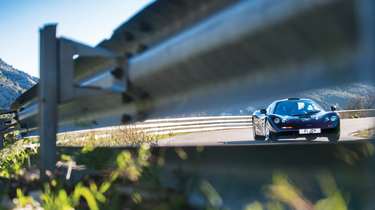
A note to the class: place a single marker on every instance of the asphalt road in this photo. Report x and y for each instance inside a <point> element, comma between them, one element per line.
<point>245,136</point>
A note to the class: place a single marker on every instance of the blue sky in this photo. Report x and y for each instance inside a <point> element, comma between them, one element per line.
<point>88,21</point>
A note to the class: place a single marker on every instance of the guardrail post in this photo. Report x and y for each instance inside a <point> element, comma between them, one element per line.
<point>2,128</point>
<point>48,97</point>
<point>1,140</point>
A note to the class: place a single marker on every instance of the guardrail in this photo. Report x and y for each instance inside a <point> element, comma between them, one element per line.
<point>8,123</point>
<point>194,124</point>
<point>199,124</point>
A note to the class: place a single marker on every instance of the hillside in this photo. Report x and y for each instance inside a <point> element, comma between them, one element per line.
<point>353,96</point>
<point>345,97</point>
<point>13,82</point>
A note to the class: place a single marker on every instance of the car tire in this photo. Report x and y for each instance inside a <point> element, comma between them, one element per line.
<point>257,137</point>
<point>310,138</point>
<point>270,136</point>
<point>334,137</point>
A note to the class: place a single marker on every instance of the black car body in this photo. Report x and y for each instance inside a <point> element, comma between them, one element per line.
<point>293,118</point>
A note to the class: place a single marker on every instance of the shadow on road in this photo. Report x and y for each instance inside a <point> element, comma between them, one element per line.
<point>252,142</point>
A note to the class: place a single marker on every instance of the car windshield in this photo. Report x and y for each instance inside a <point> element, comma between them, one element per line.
<point>296,108</point>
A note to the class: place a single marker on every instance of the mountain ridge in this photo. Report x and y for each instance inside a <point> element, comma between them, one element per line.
<point>13,82</point>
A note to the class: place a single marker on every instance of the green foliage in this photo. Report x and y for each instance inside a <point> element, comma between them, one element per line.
<point>213,198</point>
<point>23,201</point>
<point>14,157</point>
<point>128,179</point>
<point>118,169</point>
<point>254,206</point>
<point>130,167</point>
<point>61,200</point>
<point>92,195</point>
<point>283,194</point>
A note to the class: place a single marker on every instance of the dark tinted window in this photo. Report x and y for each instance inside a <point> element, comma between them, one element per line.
<point>296,107</point>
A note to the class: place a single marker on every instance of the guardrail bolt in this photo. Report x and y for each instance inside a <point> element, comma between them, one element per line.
<point>145,27</point>
<point>142,48</point>
<point>126,98</point>
<point>129,36</point>
<point>126,118</point>
<point>118,73</point>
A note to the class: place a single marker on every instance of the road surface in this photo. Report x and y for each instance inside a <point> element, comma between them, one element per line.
<point>245,136</point>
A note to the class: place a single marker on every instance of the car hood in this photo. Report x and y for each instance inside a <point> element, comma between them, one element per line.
<point>307,121</point>
<point>318,115</point>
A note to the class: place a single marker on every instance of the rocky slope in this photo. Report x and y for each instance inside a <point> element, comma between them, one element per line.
<point>353,96</point>
<point>345,97</point>
<point>13,82</point>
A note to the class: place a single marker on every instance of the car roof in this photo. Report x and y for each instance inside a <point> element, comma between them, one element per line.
<point>293,99</point>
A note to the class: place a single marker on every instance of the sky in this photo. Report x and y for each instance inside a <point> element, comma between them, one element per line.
<point>87,21</point>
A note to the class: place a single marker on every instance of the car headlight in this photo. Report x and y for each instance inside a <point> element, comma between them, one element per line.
<point>326,119</point>
<point>334,118</point>
<point>276,120</point>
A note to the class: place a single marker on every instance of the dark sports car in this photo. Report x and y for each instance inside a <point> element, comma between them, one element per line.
<point>293,118</point>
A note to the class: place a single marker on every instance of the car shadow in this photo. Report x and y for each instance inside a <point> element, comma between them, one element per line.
<point>257,142</point>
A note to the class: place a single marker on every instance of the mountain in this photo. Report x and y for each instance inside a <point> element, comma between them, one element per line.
<point>13,82</point>
<point>352,96</point>
<point>345,97</point>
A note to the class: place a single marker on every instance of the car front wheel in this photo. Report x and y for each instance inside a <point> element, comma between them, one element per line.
<point>270,136</point>
<point>334,137</point>
<point>257,137</point>
<point>310,138</point>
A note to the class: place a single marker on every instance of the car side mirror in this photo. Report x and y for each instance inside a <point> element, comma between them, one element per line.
<point>263,111</point>
<point>333,108</point>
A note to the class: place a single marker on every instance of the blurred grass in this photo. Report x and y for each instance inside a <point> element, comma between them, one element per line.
<point>366,133</point>
<point>121,136</point>
<point>282,194</point>
<point>117,136</point>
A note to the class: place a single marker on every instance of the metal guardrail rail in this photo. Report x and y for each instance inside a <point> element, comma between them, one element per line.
<point>8,123</point>
<point>183,125</point>
<point>199,124</point>
<point>195,124</point>
<point>195,55</point>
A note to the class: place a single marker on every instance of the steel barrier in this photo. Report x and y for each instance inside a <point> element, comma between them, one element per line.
<point>198,124</point>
